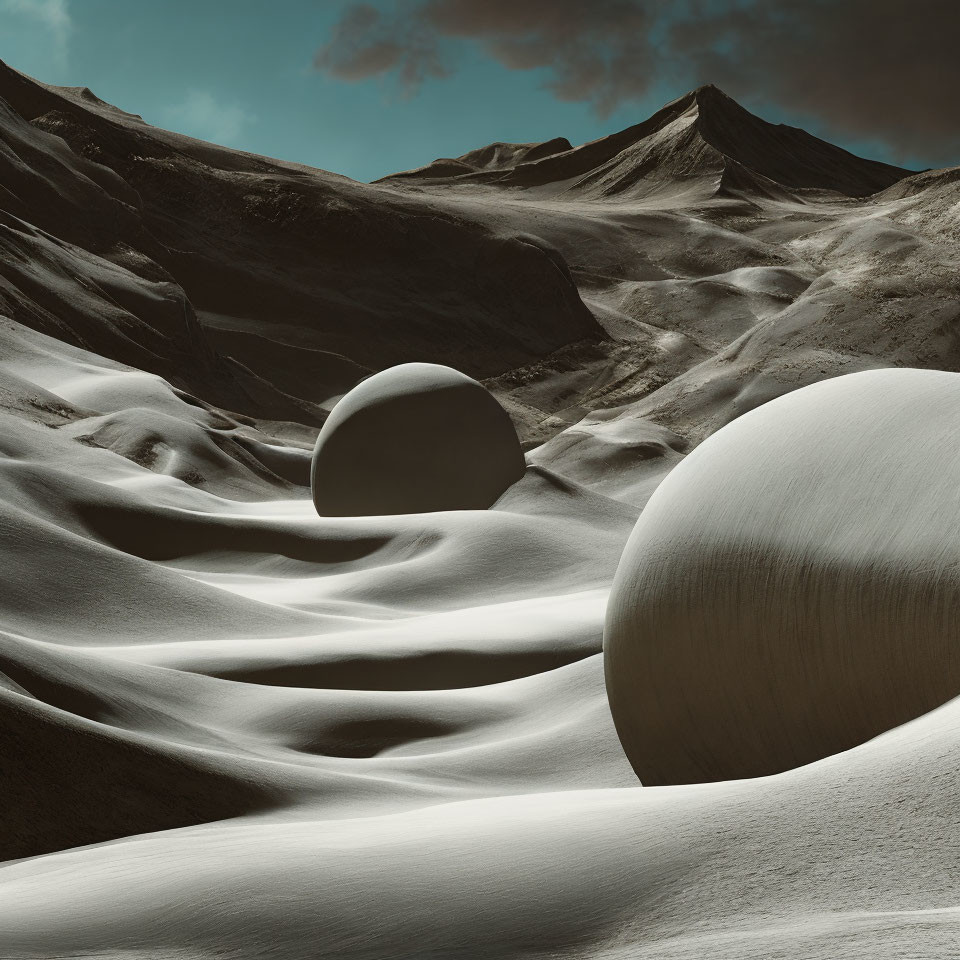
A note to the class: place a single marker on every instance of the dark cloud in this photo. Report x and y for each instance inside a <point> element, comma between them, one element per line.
<point>884,69</point>
<point>876,69</point>
<point>596,51</point>
<point>365,43</point>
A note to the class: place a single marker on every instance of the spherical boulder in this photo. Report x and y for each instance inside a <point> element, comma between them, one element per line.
<point>792,588</point>
<point>414,438</point>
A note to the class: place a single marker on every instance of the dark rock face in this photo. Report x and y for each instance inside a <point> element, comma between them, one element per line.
<point>416,438</point>
<point>266,287</point>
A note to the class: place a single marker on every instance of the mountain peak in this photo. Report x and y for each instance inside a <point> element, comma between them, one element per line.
<point>711,93</point>
<point>703,136</point>
<point>786,155</point>
<point>708,100</point>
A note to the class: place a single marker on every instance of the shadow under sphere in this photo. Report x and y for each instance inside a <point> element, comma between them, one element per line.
<point>414,438</point>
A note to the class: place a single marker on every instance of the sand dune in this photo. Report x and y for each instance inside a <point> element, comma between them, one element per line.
<point>853,854</point>
<point>230,726</point>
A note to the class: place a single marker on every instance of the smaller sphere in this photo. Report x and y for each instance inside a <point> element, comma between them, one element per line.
<point>414,438</point>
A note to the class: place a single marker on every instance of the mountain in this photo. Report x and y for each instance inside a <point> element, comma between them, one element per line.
<point>704,133</point>
<point>728,260</point>
<point>493,157</point>
<point>263,285</point>
<point>268,288</point>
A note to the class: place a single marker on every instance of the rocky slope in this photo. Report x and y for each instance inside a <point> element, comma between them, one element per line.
<point>728,259</point>
<point>704,133</point>
<point>272,286</point>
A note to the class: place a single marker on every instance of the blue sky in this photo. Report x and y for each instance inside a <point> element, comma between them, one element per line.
<point>239,72</point>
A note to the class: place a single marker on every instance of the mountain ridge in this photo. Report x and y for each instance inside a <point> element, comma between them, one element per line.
<point>703,132</point>
<point>245,278</point>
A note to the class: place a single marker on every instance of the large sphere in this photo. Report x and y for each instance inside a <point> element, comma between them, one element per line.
<point>792,588</point>
<point>414,438</point>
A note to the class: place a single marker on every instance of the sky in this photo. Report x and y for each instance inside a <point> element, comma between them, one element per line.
<point>366,89</point>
